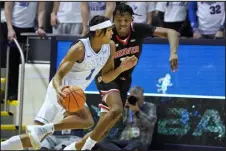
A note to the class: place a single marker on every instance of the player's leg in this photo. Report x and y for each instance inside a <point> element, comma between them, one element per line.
<point>79,144</point>
<point>80,120</point>
<point>16,143</point>
<point>114,103</point>
<point>112,98</point>
<point>20,141</point>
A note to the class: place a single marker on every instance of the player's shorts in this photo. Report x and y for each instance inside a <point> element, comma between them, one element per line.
<point>50,108</point>
<point>120,84</point>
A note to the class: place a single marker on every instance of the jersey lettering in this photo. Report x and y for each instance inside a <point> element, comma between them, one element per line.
<point>127,51</point>
<point>95,63</point>
<point>90,75</point>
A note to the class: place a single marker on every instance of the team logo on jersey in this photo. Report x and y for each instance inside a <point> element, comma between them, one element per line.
<point>126,51</point>
<point>96,62</point>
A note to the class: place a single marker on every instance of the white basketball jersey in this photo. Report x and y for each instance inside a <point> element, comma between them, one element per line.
<point>82,74</point>
<point>210,16</point>
<point>23,14</point>
<point>69,12</point>
<point>174,12</point>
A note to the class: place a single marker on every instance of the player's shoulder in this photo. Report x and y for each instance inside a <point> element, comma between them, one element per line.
<point>78,47</point>
<point>112,43</point>
<point>139,26</point>
<point>112,47</point>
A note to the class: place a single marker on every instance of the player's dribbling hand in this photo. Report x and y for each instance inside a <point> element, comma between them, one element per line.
<point>61,95</point>
<point>128,62</point>
<point>173,62</point>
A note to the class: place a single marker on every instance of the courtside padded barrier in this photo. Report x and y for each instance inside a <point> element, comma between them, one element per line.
<point>3,80</point>
<point>5,113</point>
<point>11,102</point>
<point>9,127</point>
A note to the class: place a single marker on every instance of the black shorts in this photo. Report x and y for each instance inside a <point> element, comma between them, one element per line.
<point>121,84</point>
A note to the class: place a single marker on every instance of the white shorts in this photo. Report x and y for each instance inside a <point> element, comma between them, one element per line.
<point>50,108</point>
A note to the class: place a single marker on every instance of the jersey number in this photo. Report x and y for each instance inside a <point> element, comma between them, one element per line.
<point>215,9</point>
<point>90,75</point>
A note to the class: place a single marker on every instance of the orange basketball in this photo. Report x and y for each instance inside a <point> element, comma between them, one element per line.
<point>75,98</point>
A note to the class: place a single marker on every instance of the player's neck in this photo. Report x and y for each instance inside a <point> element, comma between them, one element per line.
<point>95,44</point>
<point>123,35</point>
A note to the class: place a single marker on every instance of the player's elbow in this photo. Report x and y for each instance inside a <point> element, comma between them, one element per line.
<point>106,79</point>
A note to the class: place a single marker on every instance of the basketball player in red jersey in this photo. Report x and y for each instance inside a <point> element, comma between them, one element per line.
<point>128,37</point>
<point>83,61</point>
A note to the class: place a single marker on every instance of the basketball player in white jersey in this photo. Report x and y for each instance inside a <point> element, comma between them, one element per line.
<point>79,67</point>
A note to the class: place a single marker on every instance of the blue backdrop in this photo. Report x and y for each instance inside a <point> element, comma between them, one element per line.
<point>200,72</point>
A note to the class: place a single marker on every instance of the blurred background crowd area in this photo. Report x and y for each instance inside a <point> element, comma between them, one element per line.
<point>191,19</point>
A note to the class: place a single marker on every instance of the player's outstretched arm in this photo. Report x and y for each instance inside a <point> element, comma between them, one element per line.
<point>108,71</point>
<point>75,53</point>
<point>173,38</point>
<point>148,30</point>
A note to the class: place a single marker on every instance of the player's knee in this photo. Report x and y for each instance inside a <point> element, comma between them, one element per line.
<point>89,122</point>
<point>116,112</point>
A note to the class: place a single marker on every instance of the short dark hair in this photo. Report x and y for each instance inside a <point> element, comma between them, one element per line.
<point>124,8</point>
<point>94,21</point>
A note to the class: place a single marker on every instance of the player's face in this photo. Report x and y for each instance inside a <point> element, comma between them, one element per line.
<point>107,37</point>
<point>122,23</point>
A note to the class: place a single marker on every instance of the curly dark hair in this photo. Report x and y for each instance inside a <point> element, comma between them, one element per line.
<point>124,8</point>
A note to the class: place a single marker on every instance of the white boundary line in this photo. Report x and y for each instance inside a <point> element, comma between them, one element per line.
<point>172,95</point>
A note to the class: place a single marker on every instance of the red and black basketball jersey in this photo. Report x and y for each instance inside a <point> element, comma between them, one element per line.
<point>132,44</point>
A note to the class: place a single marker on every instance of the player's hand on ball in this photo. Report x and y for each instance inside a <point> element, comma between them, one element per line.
<point>173,62</point>
<point>128,62</point>
<point>61,95</point>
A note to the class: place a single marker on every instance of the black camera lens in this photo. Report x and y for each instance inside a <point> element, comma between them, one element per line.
<point>132,100</point>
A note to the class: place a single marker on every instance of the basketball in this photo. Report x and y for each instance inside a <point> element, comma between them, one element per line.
<point>75,98</point>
